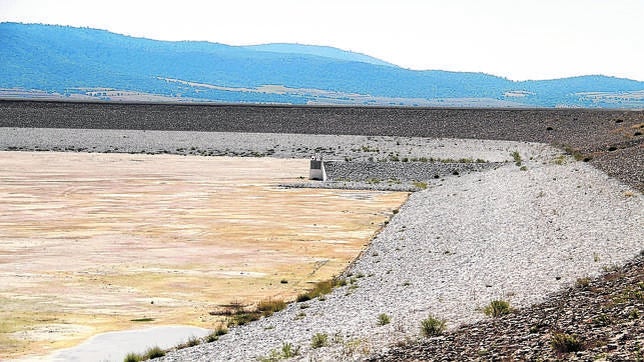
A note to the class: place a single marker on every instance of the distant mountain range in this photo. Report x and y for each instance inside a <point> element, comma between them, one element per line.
<point>48,61</point>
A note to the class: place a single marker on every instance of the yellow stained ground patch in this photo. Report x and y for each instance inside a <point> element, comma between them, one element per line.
<point>89,242</point>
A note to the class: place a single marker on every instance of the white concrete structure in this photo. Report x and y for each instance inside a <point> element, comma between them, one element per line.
<point>317,171</point>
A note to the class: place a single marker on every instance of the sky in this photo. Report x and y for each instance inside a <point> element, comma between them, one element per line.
<point>516,39</point>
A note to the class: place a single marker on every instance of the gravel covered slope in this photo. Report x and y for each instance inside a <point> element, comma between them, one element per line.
<point>603,314</point>
<point>502,233</point>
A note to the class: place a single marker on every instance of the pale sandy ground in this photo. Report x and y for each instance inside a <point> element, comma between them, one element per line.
<point>89,242</point>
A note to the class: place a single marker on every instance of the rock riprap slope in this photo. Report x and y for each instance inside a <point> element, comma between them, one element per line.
<point>504,233</point>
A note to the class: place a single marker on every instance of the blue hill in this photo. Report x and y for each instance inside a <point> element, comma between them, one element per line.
<point>84,63</point>
<point>321,51</point>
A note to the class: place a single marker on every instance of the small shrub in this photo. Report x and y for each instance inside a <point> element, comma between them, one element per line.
<point>288,351</point>
<point>497,308</point>
<point>154,352</point>
<point>319,340</point>
<point>383,319</point>
<point>432,326</point>
<point>516,157</point>
<point>133,357</point>
<point>191,342</point>
<point>212,337</point>
<point>523,168</point>
<point>218,332</point>
<point>564,343</point>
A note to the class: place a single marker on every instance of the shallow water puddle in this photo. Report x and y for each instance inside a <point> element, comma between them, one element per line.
<point>114,346</point>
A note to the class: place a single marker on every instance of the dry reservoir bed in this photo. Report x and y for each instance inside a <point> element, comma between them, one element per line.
<point>92,242</point>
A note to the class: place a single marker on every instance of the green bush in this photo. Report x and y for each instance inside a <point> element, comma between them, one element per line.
<point>133,357</point>
<point>289,351</point>
<point>564,343</point>
<point>154,352</point>
<point>517,158</point>
<point>432,326</point>
<point>319,340</point>
<point>497,308</point>
<point>383,319</point>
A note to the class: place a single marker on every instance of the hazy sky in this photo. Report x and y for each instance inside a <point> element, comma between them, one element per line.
<point>517,39</point>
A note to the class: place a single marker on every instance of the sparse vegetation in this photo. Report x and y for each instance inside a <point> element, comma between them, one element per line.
<point>320,288</point>
<point>239,315</point>
<point>218,332</point>
<point>319,340</point>
<point>287,351</point>
<point>191,342</point>
<point>420,185</point>
<point>517,158</point>
<point>432,326</point>
<point>133,357</point>
<point>153,352</point>
<point>383,319</point>
<point>243,317</point>
<point>576,154</point>
<point>270,306</point>
<point>497,308</point>
<point>564,343</point>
